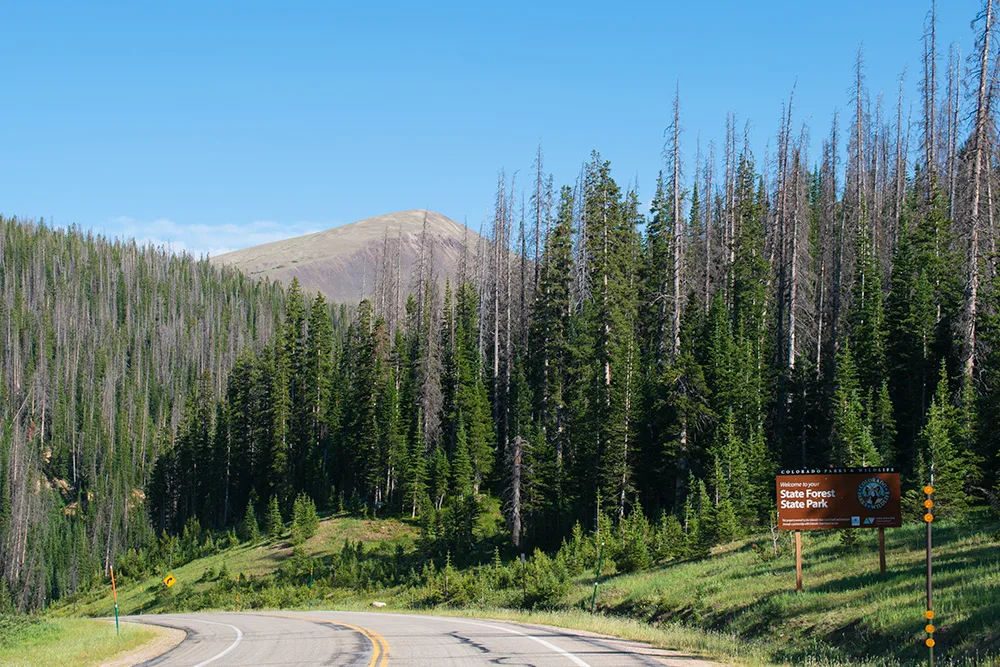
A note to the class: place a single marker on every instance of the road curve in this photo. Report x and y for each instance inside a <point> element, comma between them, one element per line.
<point>374,639</point>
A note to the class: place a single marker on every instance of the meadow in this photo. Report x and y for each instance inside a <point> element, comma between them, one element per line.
<point>738,604</point>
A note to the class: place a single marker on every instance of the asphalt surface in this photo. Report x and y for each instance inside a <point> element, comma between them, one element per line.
<point>401,640</point>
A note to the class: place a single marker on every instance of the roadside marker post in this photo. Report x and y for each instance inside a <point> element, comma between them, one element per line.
<point>114,592</point>
<point>310,587</point>
<point>600,559</point>
<point>929,614</point>
<point>524,579</point>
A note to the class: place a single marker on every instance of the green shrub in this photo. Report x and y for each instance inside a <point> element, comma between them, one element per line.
<point>548,580</point>
<point>633,553</point>
<point>305,522</point>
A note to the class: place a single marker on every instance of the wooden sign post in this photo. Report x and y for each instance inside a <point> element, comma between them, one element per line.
<point>881,550</point>
<point>798,561</point>
<point>838,498</point>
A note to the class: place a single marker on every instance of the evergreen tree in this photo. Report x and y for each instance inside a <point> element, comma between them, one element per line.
<point>946,464</point>
<point>548,352</point>
<point>883,424</point>
<point>305,522</point>
<point>317,395</point>
<point>612,245</point>
<point>868,333</point>
<point>852,443</point>
<point>415,475</point>
<point>360,442</point>
<point>461,465</point>
<point>251,527</point>
<point>273,523</point>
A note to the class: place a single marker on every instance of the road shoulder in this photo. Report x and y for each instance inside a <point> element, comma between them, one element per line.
<point>664,656</point>
<point>166,639</point>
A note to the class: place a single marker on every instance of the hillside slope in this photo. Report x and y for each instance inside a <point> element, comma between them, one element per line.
<point>345,263</point>
<point>738,604</point>
<point>102,343</point>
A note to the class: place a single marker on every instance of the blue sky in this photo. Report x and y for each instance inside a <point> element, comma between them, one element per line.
<point>217,125</point>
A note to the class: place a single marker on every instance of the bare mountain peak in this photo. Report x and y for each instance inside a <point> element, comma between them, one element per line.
<point>345,262</point>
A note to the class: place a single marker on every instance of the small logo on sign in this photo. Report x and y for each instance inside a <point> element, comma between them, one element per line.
<point>873,493</point>
<point>855,521</point>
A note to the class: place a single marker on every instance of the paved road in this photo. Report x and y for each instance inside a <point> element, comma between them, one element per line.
<point>401,640</point>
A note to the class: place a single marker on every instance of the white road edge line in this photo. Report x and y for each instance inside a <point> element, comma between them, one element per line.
<point>572,658</point>
<point>239,638</point>
<point>552,647</point>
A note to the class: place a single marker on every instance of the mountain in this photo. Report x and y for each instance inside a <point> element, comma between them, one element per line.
<point>344,263</point>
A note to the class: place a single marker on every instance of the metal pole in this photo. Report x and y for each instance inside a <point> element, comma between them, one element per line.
<point>929,614</point>
<point>600,559</point>
<point>114,591</point>
<point>310,586</point>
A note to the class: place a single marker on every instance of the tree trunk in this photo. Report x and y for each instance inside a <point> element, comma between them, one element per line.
<point>982,108</point>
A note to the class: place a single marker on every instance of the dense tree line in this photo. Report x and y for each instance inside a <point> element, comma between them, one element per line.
<point>101,342</point>
<point>793,313</point>
<point>590,359</point>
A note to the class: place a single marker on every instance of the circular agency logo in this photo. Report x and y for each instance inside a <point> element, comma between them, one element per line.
<point>873,493</point>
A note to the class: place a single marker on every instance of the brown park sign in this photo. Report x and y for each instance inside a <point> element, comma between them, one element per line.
<point>838,498</point>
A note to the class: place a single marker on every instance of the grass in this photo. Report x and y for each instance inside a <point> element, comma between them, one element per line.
<point>847,614</point>
<point>78,642</point>
<point>252,560</point>
<point>735,605</point>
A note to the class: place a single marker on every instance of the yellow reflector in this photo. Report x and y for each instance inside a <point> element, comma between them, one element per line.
<point>928,517</point>
<point>930,643</point>
<point>928,504</point>
<point>929,629</point>
<point>928,614</point>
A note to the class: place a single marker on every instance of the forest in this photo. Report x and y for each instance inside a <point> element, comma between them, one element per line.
<point>590,359</point>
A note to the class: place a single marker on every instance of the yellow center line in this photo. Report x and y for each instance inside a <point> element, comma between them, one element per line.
<point>380,647</point>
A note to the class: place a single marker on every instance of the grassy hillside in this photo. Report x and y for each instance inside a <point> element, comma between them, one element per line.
<point>739,604</point>
<point>848,612</point>
<point>251,561</point>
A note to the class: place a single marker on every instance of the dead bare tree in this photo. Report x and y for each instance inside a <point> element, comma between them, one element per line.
<point>929,91</point>
<point>979,149</point>
<point>672,153</point>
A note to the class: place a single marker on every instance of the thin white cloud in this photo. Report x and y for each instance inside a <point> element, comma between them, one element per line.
<point>202,239</point>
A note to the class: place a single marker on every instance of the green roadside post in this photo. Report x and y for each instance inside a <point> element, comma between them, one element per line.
<point>600,559</point>
<point>114,591</point>
<point>524,581</point>
<point>310,586</point>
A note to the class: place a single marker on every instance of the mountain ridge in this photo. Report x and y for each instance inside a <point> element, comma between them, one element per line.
<point>344,263</point>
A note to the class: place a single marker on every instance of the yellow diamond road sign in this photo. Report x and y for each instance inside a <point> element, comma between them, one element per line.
<point>169,580</point>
